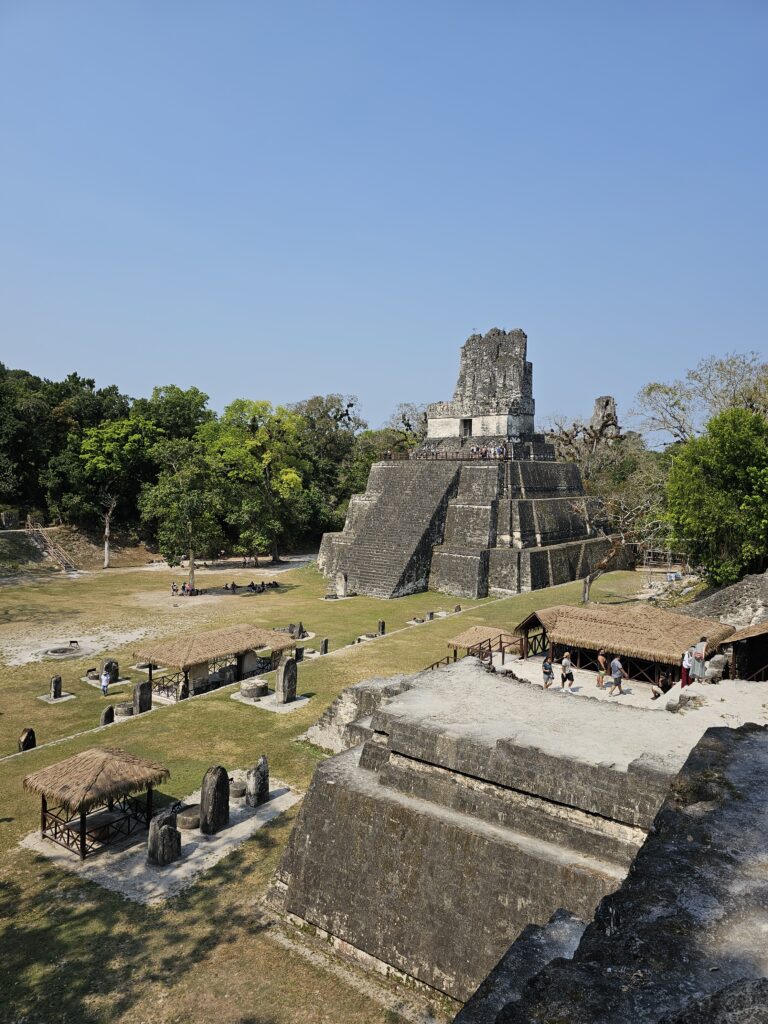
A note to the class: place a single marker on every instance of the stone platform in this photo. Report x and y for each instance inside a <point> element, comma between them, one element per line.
<point>475,806</point>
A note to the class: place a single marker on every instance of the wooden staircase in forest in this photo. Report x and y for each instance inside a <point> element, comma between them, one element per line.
<point>40,536</point>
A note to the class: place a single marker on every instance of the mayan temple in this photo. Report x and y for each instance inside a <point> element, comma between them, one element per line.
<point>482,507</point>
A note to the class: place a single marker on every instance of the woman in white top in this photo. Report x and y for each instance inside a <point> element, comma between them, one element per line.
<point>566,671</point>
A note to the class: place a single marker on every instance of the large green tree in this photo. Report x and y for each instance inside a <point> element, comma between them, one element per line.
<point>177,412</point>
<point>718,495</point>
<point>256,457</point>
<point>184,506</point>
<point>117,457</point>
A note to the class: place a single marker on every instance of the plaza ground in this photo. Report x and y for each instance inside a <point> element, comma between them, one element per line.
<point>73,951</point>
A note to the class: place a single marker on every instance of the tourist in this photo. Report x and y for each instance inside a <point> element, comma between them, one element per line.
<point>665,685</point>
<point>105,682</point>
<point>548,672</point>
<point>685,668</point>
<point>184,589</point>
<point>602,670</point>
<point>234,586</point>
<point>617,674</point>
<point>699,665</point>
<point>566,671</point>
<point>174,589</point>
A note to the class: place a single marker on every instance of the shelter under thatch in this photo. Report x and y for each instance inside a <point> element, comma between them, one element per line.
<point>749,652</point>
<point>479,635</point>
<point>648,637</point>
<point>196,648</point>
<point>102,777</point>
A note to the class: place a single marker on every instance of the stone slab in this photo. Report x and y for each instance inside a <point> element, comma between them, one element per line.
<point>47,699</point>
<point>271,703</point>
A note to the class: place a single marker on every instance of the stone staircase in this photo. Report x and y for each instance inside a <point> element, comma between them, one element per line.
<point>53,551</point>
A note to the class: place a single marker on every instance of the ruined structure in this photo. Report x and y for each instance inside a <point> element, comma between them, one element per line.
<point>474,806</point>
<point>482,507</point>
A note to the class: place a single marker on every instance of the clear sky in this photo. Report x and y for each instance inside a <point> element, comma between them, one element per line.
<point>279,199</point>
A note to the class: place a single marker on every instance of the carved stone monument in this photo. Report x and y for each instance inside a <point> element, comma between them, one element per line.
<point>55,687</point>
<point>164,839</point>
<point>110,666</point>
<point>107,715</point>
<point>214,801</point>
<point>257,783</point>
<point>482,507</point>
<point>285,683</point>
<point>27,740</point>
<point>142,697</point>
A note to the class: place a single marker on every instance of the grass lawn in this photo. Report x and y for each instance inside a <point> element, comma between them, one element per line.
<point>73,952</point>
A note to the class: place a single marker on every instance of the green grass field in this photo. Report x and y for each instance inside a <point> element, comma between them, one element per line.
<point>73,952</point>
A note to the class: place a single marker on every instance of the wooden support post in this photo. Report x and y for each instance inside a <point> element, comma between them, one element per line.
<point>82,835</point>
<point>43,814</point>
<point>149,804</point>
<point>150,670</point>
<point>524,646</point>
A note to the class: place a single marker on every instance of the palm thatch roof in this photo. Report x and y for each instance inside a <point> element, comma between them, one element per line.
<point>480,634</point>
<point>95,776</point>
<point>636,631</point>
<point>745,634</point>
<point>196,648</point>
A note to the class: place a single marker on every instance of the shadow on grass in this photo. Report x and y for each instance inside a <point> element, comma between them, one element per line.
<point>72,951</point>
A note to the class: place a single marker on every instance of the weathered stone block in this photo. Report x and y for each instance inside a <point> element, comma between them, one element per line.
<point>111,667</point>
<point>142,697</point>
<point>324,646</point>
<point>214,801</point>
<point>55,687</point>
<point>285,683</point>
<point>382,627</point>
<point>164,839</point>
<point>107,715</point>
<point>27,740</point>
<point>257,783</point>
<point>254,689</point>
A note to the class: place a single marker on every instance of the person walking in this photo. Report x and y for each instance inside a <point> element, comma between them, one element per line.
<point>548,673</point>
<point>617,674</point>
<point>566,671</point>
<point>602,670</point>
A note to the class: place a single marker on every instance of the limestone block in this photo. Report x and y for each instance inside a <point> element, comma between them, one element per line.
<point>214,801</point>
<point>124,709</point>
<point>253,689</point>
<point>324,646</point>
<point>107,715</point>
<point>27,740</point>
<point>55,687</point>
<point>382,627</point>
<point>164,839</point>
<point>142,697</point>
<point>285,684</point>
<point>257,783</point>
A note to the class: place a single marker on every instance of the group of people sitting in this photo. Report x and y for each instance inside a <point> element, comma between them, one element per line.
<point>184,591</point>
<point>255,588</point>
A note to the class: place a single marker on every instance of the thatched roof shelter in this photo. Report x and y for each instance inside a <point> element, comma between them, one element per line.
<point>637,631</point>
<point>479,635</point>
<point>196,648</point>
<point>748,633</point>
<point>92,778</point>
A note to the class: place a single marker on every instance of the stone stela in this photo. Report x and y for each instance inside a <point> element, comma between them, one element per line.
<point>482,507</point>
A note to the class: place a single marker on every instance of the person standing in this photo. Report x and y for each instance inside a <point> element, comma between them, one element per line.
<point>685,668</point>
<point>699,665</point>
<point>549,675</point>
<point>602,670</point>
<point>105,682</point>
<point>617,674</point>
<point>566,671</point>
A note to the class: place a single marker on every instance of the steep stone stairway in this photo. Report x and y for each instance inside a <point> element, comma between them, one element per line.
<point>43,540</point>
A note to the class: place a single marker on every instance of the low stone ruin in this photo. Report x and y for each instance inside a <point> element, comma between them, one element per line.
<point>253,689</point>
<point>164,840</point>
<point>214,801</point>
<point>286,681</point>
<point>257,783</point>
<point>743,604</point>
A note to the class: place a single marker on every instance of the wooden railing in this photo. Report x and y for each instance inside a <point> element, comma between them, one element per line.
<point>49,545</point>
<point>502,644</point>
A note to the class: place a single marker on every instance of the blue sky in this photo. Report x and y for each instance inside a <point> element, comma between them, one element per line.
<point>273,200</point>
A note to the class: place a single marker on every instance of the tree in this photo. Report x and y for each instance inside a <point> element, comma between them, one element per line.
<point>116,458</point>
<point>718,496</point>
<point>410,421</point>
<point>679,410</point>
<point>178,413</point>
<point>255,455</point>
<point>185,505</point>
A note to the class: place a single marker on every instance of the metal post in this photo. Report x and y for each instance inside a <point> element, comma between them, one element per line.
<point>82,835</point>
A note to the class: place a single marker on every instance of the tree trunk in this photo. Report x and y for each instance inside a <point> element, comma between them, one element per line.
<point>106,539</point>
<point>191,568</point>
<point>275,551</point>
